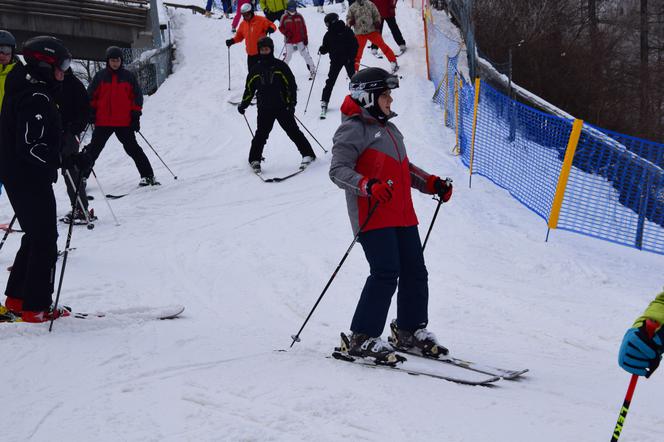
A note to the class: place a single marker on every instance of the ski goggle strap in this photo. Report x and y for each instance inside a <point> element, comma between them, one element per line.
<point>390,82</point>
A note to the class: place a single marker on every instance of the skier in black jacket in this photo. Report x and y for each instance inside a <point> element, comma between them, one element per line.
<point>31,130</point>
<point>340,42</point>
<point>74,105</point>
<point>274,84</point>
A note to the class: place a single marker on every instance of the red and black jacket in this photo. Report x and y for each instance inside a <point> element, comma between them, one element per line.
<point>113,96</point>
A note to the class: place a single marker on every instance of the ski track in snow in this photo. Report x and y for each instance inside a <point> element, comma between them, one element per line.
<point>249,259</point>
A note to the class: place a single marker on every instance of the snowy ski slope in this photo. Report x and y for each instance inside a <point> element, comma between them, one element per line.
<point>249,259</point>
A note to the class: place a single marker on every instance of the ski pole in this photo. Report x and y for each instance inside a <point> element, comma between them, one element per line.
<point>296,337</point>
<point>651,327</point>
<point>312,84</point>
<point>155,152</point>
<point>229,67</point>
<point>312,135</point>
<point>249,125</point>
<point>8,231</point>
<point>105,197</point>
<point>89,225</point>
<point>66,254</point>
<point>440,202</point>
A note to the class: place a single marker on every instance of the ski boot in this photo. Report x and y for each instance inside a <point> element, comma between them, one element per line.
<point>14,305</point>
<point>255,166</point>
<point>306,160</point>
<point>6,315</point>
<point>421,340</point>
<point>78,217</point>
<point>323,110</point>
<point>394,67</point>
<point>374,349</point>
<point>45,315</point>
<point>148,181</point>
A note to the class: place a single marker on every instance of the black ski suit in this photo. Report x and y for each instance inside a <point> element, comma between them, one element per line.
<point>340,42</point>
<point>274,84</point>
<point>74,107</point>
<point>30,129</point>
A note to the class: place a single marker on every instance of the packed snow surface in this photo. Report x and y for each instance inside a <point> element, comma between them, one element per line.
<point>249,259</point>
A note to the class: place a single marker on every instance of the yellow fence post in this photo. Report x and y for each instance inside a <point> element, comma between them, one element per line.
<point>564,174</point>
<point>426,15</point>
<point>457,148</point>
<point>472,142</point>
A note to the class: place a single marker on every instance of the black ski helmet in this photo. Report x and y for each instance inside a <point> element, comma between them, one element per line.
<point>43,54</point>
<point>7,39</point>
<point>266,42</point>
<point>367,85</point>
<point>330,18</point>
<point>113,52</point>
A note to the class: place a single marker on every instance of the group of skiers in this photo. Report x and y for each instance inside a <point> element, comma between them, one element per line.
<point>44,109</point>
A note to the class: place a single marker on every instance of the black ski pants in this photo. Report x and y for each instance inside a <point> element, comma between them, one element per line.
<point>394,28</point>
<point>335,68</point>
<point>33,272</point>
<point>126,136</point>
<point>286,119</point>
<point>70,146</point>
<point>395,261</point>
<point>274,15</point>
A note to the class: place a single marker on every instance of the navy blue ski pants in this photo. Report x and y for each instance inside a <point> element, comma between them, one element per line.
<point>395,260</point>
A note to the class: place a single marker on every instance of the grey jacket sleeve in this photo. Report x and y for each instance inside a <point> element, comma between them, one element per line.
<point>418,178</point>
<point>345,152</point>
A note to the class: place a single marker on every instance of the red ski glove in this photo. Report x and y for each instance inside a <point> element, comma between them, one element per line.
<point>440,187</point>
<point>381,191</point>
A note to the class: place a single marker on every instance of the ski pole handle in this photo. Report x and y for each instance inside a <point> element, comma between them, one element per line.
<point>651,328</point>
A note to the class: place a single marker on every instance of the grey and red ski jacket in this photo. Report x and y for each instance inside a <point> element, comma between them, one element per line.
<point>363,149</point>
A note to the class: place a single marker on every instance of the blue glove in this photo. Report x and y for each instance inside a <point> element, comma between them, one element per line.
<point>640,354</point>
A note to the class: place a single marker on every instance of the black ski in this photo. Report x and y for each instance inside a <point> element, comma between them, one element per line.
<point>115,197</point>
<point>279,179</point>
<point>478,380</point>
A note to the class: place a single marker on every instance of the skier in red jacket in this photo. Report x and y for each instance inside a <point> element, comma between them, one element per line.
<point>388,12</point>
<point>370,162</point>
<point>294,28</point>
<point>116,100</point>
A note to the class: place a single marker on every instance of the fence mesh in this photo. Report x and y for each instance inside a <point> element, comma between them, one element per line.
<point>615,189</point>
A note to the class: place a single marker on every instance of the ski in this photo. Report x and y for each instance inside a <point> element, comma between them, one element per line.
<point>115,197</point>
<point>278,179</point>
<point>135,313</point>
<point>412,369</point>
<point>468,365</point>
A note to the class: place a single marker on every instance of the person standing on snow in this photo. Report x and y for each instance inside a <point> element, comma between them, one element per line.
<point>273,9</point>
<point>364,18</point>
<point>294,28</point>
<point>238,14</point>
<point>640,354</point>
<point>388,12</point>
<point>8,63</point>
<point>252,28</point>
<point>370,162</point>
<point>339,41</point>
<point>74,105</point>
<point>116,100</point>
<point>274,84</point>
<point>31,130</point>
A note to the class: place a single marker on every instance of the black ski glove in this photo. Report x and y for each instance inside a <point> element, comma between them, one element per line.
<point>241,109</point>
<point>136,120</point>
<point>230,42</point>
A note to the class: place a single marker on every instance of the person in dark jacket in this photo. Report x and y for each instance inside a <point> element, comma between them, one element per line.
<point>274,84</point>
<point>74,105</point>
<point>116,100</point>
<point>340,42</point>
<point>31,130</point>
<point>370,162</point>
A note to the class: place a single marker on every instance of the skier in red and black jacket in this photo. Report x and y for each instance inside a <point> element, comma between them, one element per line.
<point>370,162</point>
<point>116,100</point>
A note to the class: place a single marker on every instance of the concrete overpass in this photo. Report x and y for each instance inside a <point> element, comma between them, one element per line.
<point>87,27</point>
